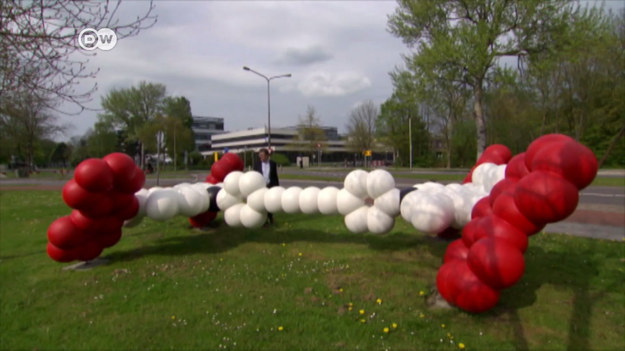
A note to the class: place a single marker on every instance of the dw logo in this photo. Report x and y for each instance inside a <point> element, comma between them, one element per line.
<point>91,39</point>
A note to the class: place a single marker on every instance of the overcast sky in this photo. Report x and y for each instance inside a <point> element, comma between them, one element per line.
<point>338,52</point>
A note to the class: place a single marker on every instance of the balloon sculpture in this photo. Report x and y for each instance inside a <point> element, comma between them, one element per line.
<point>500,204</point>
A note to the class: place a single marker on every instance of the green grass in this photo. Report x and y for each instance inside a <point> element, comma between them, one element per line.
<point>167,286</point>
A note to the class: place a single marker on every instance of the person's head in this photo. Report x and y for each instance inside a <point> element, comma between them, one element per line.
<point>263,154</point>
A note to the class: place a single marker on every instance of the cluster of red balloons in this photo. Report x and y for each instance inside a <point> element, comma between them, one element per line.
<point>102,196</point>
<point>541,186</point>
<point>219,170</point>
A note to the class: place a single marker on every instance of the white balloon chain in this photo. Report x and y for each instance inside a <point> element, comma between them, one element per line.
<point>369,200</point>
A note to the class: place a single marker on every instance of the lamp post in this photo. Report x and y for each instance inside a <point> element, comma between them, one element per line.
<point>268,79</point>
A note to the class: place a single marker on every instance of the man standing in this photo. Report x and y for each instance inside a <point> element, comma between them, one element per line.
<point>269,170</point>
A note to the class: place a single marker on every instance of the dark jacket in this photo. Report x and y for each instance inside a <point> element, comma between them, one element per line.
<point>273,173</point>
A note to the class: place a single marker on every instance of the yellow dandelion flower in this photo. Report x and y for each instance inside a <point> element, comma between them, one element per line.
<point>299,254</point>
<point>421,315</point>
<point>340,289</point>
<point>385,330</point>
<point>460,346</point>
<point>378,301</point>
<point>421,293</point>
<point>350,304</point>
<point>443,325</point>
<point>362,320</point>
<point>280,328</point>
<point>283,244</point>
<point>361,312</point>
<point>394,325</point>
<point>349,308</point>
<point>173,317</point>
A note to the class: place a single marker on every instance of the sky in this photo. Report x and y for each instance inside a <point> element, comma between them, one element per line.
<point>339,54</point>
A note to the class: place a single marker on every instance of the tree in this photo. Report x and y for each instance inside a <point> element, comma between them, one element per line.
<point>39,54</point>
<point>177,137</point>
<point>309,133</point>
<point>396,114</point>
<point>361,127</point>
<point>472,35</point>
<point>180,108</point>
<point>25,121</point>
<point>131,109</point>
<point>102,140</point>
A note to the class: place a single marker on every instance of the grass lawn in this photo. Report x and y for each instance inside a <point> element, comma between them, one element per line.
<point>304,284</point>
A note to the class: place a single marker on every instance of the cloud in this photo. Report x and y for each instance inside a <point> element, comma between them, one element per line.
<point>328,84</point>
<point>304,56</point>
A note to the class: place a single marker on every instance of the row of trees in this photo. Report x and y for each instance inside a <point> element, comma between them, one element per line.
<point>564,74</point>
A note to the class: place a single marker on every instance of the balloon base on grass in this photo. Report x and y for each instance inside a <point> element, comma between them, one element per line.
<point>86,265</point>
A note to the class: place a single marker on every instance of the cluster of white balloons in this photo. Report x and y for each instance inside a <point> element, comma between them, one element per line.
<point>436,207</point>
<point>369,200</point>
<point>162,204</point>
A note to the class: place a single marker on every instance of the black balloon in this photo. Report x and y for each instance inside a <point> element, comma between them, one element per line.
<point>212,196</point>
<point>403,192</point>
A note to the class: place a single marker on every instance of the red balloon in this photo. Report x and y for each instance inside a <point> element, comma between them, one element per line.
<point>544,197</point>
<point>497,227</point>
<point>506,209</point>
<point>120,199</point>
<point>570,160</point>
<point>211,179</point>
<point>470,230</point>
<point>59,255</point>
<point>78,197</point>
<point>122,166</point>
<point>93,225</point>
<point>94,175</point>
<point>88,251</point>
<point>496,262</point>
<point>456,250</point>
<point>472,294</point>
<point>539,143</point>
<point>481,208</point>
<point>444,280</point>
<point>64,234</point>
<point>128,211</point>
<point>102,208</point>
<point>516,167</point>
<point>202,220</point>
<point>219,171</point>
<point>496,153</point>
<point>135,183</point>
<point>109,239</point>
<point>233,160</point>
<point>503,185</point>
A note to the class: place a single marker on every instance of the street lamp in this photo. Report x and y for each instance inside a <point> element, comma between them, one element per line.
<point>268,79</point>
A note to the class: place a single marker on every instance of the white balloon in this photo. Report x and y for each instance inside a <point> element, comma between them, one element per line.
<point>379,222</point>
<point>231,182</point>
<point>347,202</point>
<point>326,200</point>
<point>460,202</point>
<point>480,173</point>
<point>356,183</point>
<point>232,216</point>
<point>250,218</point>
<point>429,213</point>
<point>379,181</point>
<point>356,221</point>
<point>250,182</point>
<point>162,204</point>
<point>154,188</point>
<point>225,200</point>
<point>256,200</point>
<point>430,187</point>
<point>181,185</point>
<point>388,202</point>
<point>142,197</point>
<point>190,201</point>
<point>290,199</point>
<point>273,199</point>
<point>308,200</point>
